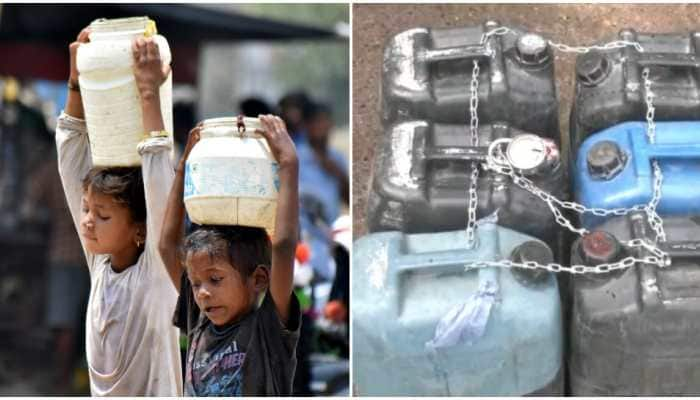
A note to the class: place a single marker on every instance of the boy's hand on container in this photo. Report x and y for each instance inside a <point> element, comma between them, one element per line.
<point>192,139</point>
<point>149,70</point>
<point>281,145</point>
<point>83,37</point>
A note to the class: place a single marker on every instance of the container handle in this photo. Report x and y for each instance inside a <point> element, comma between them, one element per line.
<point>667,60</point>
<point>455,53</point>
<point>644,151</point>
<point>467,153</point>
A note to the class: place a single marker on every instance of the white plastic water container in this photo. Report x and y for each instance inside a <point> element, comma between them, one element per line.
<point>108,88</point>
<point>231,177</point>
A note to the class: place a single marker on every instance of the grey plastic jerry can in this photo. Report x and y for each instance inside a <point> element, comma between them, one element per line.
<point>425,325</point>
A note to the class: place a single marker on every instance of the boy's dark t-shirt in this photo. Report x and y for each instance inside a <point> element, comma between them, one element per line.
<point>253,356</point>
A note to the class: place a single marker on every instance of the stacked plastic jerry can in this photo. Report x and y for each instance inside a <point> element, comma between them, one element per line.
<point>422,322</point>
<point>635,331</point>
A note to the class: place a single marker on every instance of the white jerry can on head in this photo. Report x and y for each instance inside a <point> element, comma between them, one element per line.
<point>231,177</point>
<point>108,88</point>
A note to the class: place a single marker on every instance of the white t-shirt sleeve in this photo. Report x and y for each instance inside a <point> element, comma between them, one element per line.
<point>74,162</point>
<point>158,176</point>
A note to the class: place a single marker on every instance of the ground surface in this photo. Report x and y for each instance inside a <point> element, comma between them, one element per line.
<point>570,24</point>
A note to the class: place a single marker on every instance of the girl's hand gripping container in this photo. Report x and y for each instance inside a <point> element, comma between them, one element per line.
<point>610,87</point>
<point>614,168</point>
<point>427,73</point>
<point>635,331</point>
<point>422,176</point>
<point>231,177</point>
<point>406,291</point>
<point>110,96</point>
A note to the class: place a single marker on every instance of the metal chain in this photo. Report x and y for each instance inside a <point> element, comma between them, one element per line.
<point>659,258</point>
<point>499,164</point>
<point>655,221</point>
<point>649,97</point>
<point>474,132</point>
<point>500,31</point>
<point>616,44</point>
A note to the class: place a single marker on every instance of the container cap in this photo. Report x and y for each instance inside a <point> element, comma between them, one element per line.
<point>531,251</point>
<point>592,68</point>
<point>599,247</point>
<point>532,49</point>
<point>527,153</point>
<point>605,160</point>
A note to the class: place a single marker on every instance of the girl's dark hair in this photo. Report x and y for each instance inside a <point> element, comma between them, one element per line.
<point>125,184</point>
<point>243,247</point>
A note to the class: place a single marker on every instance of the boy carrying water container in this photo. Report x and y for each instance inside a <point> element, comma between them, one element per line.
<point>132,347</point>
<point>239,346</point>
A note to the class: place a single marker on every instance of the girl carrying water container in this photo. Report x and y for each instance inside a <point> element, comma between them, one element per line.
<point>132,346</point>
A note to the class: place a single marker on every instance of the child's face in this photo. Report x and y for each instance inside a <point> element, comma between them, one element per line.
<point>220,291</point>
<point>105,225</point>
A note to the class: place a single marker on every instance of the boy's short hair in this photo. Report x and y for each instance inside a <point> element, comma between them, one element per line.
<point>125,184</point>
<point>244,247</point>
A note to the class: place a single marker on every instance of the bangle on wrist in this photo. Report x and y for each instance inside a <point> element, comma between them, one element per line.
<point>156,134</point>
<point>74,85</point>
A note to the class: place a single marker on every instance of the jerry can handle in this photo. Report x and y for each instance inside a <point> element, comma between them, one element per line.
<point>667,60</point>
<point>467,153</point>
<point>645,151</point>
<point>673,150</point>
<point>456,53</point>
<point>687,249</point>
<point>486,249</point>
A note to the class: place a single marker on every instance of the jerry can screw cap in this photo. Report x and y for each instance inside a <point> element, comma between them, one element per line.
<point>592,68</point>
<point>599,247</point>
<point>605,160</point>
<point>531,251</point>
<point>527,153</point>
<point>532,49</point>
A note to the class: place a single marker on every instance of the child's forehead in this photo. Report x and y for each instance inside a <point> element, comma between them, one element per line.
<point>202,260</point>
<point>98,199</point>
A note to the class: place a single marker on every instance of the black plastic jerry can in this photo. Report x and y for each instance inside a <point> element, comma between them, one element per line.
<point>634,331</point>
<point>422,174</point>
<point>610,87</point>
<point>426,75</point>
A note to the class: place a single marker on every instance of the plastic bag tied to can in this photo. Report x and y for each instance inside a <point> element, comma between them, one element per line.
<point>467,321</point>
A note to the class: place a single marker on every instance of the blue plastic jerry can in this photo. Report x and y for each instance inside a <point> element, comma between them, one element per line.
<point>423,324</point>
<point>614,168</point>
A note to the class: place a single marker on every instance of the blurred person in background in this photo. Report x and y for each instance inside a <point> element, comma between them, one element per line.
<point>254,106</point>
<point>292,106</point>
<point>68,278</point>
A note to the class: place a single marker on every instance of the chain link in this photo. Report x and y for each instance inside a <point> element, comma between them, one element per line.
<point>474,132</point>
<point>659,258</point>
<point>616,44</point>
<point>649,97</point>
<point>655,221</point>
<point>500,31</point>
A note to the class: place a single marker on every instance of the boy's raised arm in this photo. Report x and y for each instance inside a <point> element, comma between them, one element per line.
<point>173,223</point>
<point>287,219</point>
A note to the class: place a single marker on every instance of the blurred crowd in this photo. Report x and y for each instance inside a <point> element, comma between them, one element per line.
<point>44,283</point>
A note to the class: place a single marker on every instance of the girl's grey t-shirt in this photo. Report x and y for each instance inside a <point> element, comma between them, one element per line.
<point>131,345</point>
<point>253,356</point>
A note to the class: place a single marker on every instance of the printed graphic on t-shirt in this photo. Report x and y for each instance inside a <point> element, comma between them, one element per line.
<point>216,373</point>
